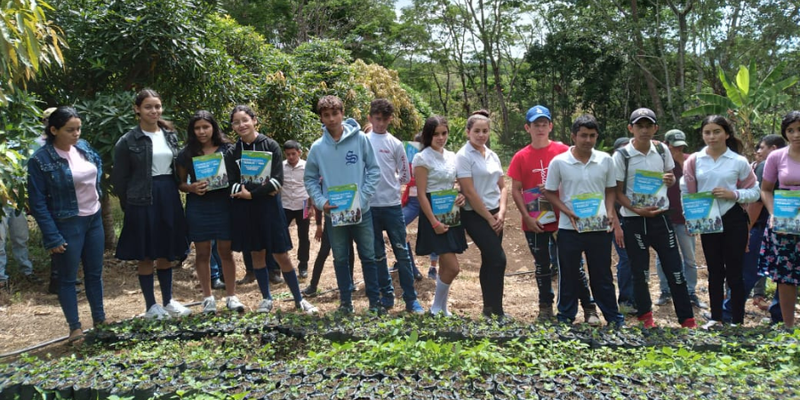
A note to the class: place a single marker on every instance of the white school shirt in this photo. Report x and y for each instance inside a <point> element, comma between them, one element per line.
<point>725,172</point>
<point>441,168</point>
<point>391,157</point>
<point>162,154</point>
<point>572,177</point>
<point>485,171</point>
<point>651,161</point>
<point>293,191</point>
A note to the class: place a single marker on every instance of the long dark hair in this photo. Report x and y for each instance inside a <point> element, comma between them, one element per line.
<point>430,128</point>
<point>58,119</point>
<point>733,142</point>
<point>790,118</point>
<point>147,93</point>
<point>194,145</point>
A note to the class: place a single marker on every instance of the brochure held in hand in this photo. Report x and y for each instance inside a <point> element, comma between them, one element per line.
<point>256,166</point>
<point>444,207</point>
<point>786,212</point>
<point>348,204</point>
<point>538,207</point>
<point>701,211</point>
<point>211,168</point>
<point>649,189</point>
<point>591,211</point>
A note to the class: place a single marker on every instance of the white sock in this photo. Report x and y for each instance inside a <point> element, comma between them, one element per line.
<point>440,298</point>
<point>209,298</point>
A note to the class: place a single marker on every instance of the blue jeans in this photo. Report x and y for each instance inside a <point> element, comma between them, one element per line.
<point>624,276</point>
<point>14,226</point>
<point>410,212</point>
<point>390,219</point>
<point>85,241</point>
<point>571,247</point>
<point>341,238</point>
<point>215,261</point>
<point>749,270</point>
<point>687,247</point>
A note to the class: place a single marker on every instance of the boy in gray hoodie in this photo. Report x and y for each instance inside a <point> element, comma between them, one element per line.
<point>344,156</point>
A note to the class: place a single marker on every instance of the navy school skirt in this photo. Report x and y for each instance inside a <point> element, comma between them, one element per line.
<point>259,224</point>
<point>157,230</point>
<point>428,242</point>
<point>209,217</point>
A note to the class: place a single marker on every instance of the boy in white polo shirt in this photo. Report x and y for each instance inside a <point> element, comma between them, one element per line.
<point>583,171</point>
<point>647,225</point>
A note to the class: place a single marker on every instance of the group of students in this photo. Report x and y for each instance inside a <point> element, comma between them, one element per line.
<point>150,169</point>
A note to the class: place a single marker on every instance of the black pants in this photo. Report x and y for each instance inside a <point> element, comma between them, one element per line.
<point>539,245</point>
<point>725,258</point>
<point>322,256</point>
<point>597,247</point>
<point>302,236</point>
<point>642,233</point>
<point>493,259</point>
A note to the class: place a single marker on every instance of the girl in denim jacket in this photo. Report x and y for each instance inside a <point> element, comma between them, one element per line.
<point>64,195</point>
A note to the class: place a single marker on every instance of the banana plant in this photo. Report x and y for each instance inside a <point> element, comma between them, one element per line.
<point>744,103</point>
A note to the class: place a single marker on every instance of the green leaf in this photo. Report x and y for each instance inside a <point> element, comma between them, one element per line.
<point>743,81</point>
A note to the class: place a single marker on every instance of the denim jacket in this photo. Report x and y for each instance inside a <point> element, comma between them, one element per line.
<point>51,191</point>
<point>131,174</point>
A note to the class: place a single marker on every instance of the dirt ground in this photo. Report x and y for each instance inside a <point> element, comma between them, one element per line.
<point>28,315</point>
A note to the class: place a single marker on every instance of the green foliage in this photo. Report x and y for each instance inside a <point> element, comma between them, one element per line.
<point>105,118</point>
<point>384,83</point>
<point>28,43</point>
<point>747,105</point>
<point>19,127</point>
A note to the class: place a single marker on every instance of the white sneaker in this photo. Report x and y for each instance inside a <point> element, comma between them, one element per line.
<point>711,324</point>
<point>209,305</point>
<point>156,312</point>
<point>307,307</point>
<point>234,304</point>
<point>175,309</point>
<point>265,306</point>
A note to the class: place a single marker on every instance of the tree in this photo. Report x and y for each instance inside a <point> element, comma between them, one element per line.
<point>745,103</point>
<point>29,43</point>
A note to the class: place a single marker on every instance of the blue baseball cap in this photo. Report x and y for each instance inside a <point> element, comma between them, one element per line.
<point>537,112</point>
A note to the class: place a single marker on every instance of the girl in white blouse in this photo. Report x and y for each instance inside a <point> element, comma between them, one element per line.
<point>480,176</point>
<point>435,170</point>
<point>720,169</point>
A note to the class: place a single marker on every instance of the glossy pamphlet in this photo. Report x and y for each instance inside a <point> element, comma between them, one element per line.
<point>256,166</point>
<point>444,207</point>
<point>211,168</point>
<point>591,211</point>
<point>701,211</point>
<point>348,204</point>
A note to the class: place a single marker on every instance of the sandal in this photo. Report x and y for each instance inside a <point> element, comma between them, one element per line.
<point>761,303</point>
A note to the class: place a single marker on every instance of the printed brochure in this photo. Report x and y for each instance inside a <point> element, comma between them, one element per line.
<point>444,207</point>
<point>701,211</point>
<point>256,166</point>
<point>649,189</point>
<point>785,218</point>
<point>348,204</point>
<point>538,207</point>
<point>591,211</point>
<point>211,168</point>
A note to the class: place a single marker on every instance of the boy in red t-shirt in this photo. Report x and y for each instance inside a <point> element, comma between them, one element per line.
<point>528,170</point>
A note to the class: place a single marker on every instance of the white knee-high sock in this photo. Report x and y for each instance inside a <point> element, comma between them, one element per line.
<point>440,298</point>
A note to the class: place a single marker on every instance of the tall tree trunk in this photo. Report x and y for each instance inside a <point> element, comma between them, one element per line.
<point>108,222</point>
<point>649,79</point>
